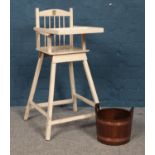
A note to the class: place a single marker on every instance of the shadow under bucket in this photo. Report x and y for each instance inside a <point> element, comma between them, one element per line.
<point>113,125</point>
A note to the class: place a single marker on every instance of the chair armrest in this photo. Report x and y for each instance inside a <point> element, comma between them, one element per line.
<point>41,31</point>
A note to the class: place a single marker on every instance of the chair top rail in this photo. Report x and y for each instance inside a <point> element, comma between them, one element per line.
<point>54,12</point>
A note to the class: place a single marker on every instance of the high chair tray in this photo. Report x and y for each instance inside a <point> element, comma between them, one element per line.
<point>69,30</point>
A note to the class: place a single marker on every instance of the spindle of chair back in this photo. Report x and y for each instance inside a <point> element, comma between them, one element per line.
<point>54,18</point>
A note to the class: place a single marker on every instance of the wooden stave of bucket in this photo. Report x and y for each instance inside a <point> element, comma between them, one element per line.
<point>113,132</point>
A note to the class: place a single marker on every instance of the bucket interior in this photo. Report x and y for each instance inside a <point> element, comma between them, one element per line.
<point>113,114</point>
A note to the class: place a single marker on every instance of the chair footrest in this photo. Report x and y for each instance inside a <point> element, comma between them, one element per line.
<point>55,103</point>
<point>85,100</point>
<point>38,108</point>
<point>72,118</point>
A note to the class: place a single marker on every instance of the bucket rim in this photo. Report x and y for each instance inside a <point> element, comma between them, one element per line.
<point>115,111</point>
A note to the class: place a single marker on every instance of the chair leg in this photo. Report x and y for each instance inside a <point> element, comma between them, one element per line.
<point>34,85</point>
<point>90,81</point>
<point>72,84</point>
<point>50,101</point>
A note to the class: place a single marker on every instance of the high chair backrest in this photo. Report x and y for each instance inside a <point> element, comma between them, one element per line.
<point>54,18</point>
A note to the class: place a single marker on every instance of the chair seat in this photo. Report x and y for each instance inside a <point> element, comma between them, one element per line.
<point>58,50</point>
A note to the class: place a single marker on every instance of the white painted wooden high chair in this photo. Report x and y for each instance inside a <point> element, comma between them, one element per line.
<point>56,46</point>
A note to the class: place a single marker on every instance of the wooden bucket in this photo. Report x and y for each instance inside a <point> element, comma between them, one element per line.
<point>113,125</point>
